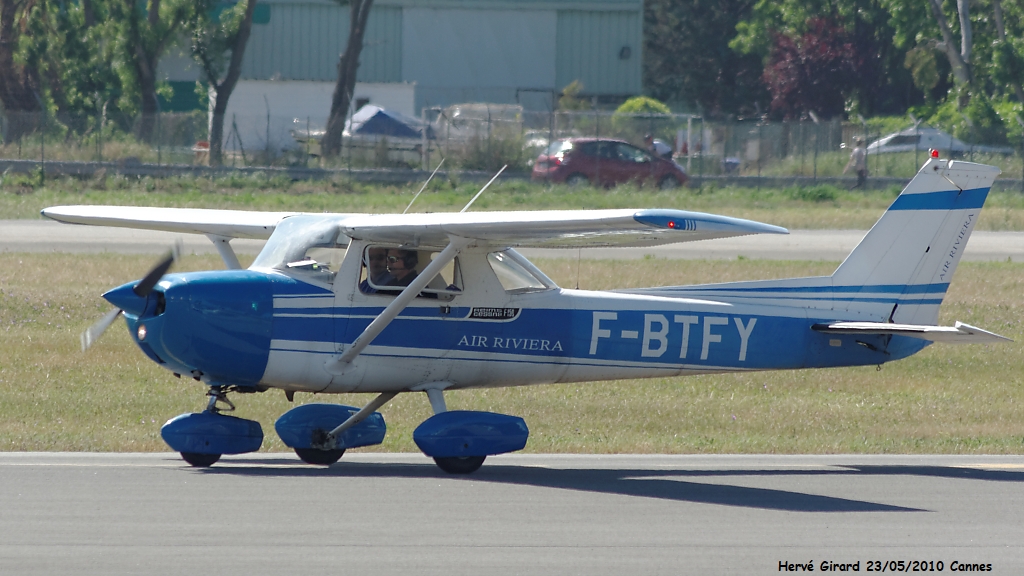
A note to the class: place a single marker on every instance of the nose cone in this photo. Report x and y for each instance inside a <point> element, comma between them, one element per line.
<point>126,299</point>
<point>214,323</point>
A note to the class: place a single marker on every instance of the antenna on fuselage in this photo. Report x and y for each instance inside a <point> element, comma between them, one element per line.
<point>484,188</point>
<point>424,187</point>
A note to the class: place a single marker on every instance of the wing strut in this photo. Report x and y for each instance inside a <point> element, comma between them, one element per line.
<point>456,244</point>
<point>332,436</point>
<point>227,254</point>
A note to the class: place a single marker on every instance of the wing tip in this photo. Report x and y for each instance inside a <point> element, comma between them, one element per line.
<point>683,220</point>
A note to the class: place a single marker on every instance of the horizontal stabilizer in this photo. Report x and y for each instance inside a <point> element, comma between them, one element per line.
<point>959,333</point>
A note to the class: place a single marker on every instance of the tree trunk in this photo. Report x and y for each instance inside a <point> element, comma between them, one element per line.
<point>149,104</point>
<point>217,128</point>
<point>959,60</point>
<point>220,92</point>
<point>348,65</point>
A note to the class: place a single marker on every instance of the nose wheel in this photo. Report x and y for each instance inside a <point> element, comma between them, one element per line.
<point>460,465</point>
<point>200,460</point>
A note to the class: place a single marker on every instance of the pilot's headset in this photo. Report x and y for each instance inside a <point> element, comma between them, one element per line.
<point>411,259</point>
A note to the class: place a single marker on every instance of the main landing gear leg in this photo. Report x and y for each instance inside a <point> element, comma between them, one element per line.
<point>453,464</point>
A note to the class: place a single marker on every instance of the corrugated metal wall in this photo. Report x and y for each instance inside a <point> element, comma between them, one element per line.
<point>302,41</point>
<point>590,46</point>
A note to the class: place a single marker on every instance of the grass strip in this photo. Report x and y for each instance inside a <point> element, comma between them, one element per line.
<point>947,399</point>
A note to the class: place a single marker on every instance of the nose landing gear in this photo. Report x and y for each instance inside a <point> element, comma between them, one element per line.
<point>203,437</point>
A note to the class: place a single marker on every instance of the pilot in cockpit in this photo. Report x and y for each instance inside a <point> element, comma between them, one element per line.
<point>402,266</point>
<point>377,269</point>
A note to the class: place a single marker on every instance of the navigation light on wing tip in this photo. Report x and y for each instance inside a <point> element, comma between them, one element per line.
<point>933,152</point>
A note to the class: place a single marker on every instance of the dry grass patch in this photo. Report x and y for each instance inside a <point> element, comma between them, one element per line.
<point>947,399</point>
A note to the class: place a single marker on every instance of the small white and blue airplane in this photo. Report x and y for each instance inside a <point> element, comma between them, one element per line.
<point>393,303</point>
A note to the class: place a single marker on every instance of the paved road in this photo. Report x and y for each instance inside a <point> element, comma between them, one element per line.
<point>523,514</point>
<point>48,236</point>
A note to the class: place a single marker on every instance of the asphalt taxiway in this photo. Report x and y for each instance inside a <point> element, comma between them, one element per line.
<point>520,514</point>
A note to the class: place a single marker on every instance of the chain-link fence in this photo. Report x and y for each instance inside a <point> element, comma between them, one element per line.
<point>488,136</point>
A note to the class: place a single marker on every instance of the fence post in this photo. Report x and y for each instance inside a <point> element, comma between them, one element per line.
<point>424,151</point>
<point>159,141</point>
<point>266,153</point>
<point>42,151</point>
<point>865,125</point>
<point>1021,122</point>
<point>760,141</point>
<point>689,142</point>
<point>817,133</point>
<point>700,159</point>
<point>597,134</point>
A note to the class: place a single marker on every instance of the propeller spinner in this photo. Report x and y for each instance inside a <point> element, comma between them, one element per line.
<point>140,290</point>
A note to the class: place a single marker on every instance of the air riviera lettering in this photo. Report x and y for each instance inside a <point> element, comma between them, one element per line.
<point>511,343</point>
<point>960,241</point>
<point>654,343</point>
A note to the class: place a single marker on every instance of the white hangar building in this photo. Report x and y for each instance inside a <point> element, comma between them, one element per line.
<point>427,53</point>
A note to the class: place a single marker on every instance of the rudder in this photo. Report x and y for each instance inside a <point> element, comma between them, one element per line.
<point>902,268</point>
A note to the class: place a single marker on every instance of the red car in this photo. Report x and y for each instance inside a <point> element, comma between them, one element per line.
<point>604,162</point>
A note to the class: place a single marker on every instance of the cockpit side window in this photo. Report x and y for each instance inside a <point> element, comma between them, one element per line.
<point>517,276</point>
<point>386,270</point>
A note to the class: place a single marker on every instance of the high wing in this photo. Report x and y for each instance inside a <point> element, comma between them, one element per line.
<point>226,223</point>
<point>540,229</point>
<point>959,333</point>
<point>553,228</point>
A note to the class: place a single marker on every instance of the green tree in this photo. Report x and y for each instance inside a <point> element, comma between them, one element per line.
<point>687,58</point>
<point>19,83</point>
<point>54,56</point>
<point>881,83</point>
<point>141,36</point>
<point>570,99</point>
<point>1008,48</point>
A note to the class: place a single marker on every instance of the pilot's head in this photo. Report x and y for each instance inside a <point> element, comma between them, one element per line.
<point>377,261</point>
<point>401,262</point>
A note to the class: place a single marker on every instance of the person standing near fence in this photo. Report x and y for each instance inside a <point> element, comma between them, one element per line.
<point>657,147</point>
<point>859,162</point>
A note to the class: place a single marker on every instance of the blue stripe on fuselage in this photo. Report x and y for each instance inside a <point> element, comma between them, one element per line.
<point>632,337</point>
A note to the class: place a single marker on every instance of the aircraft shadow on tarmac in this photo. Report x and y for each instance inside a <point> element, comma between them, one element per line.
<point>663,484</point>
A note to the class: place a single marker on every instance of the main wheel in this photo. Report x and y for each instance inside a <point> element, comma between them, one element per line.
<point>320,457</point>
<point>460,465</point>
<point>577,180</point>
<point>669,183</point>
<point>200,460</point>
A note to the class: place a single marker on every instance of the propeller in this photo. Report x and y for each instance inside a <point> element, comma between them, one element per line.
<point>141,290</point>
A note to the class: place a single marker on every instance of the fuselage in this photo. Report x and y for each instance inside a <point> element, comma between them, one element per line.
<point>281,327</point>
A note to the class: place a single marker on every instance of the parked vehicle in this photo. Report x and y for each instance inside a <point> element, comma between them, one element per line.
<point>604,162</point>
<point>924,138</point>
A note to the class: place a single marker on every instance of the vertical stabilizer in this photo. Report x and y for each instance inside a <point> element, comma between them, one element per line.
<point>902,268</point>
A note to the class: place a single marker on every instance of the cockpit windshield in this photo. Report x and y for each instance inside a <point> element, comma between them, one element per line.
<point>307,245</point>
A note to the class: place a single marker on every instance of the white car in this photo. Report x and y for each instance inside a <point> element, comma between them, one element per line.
<point>928,138</point>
